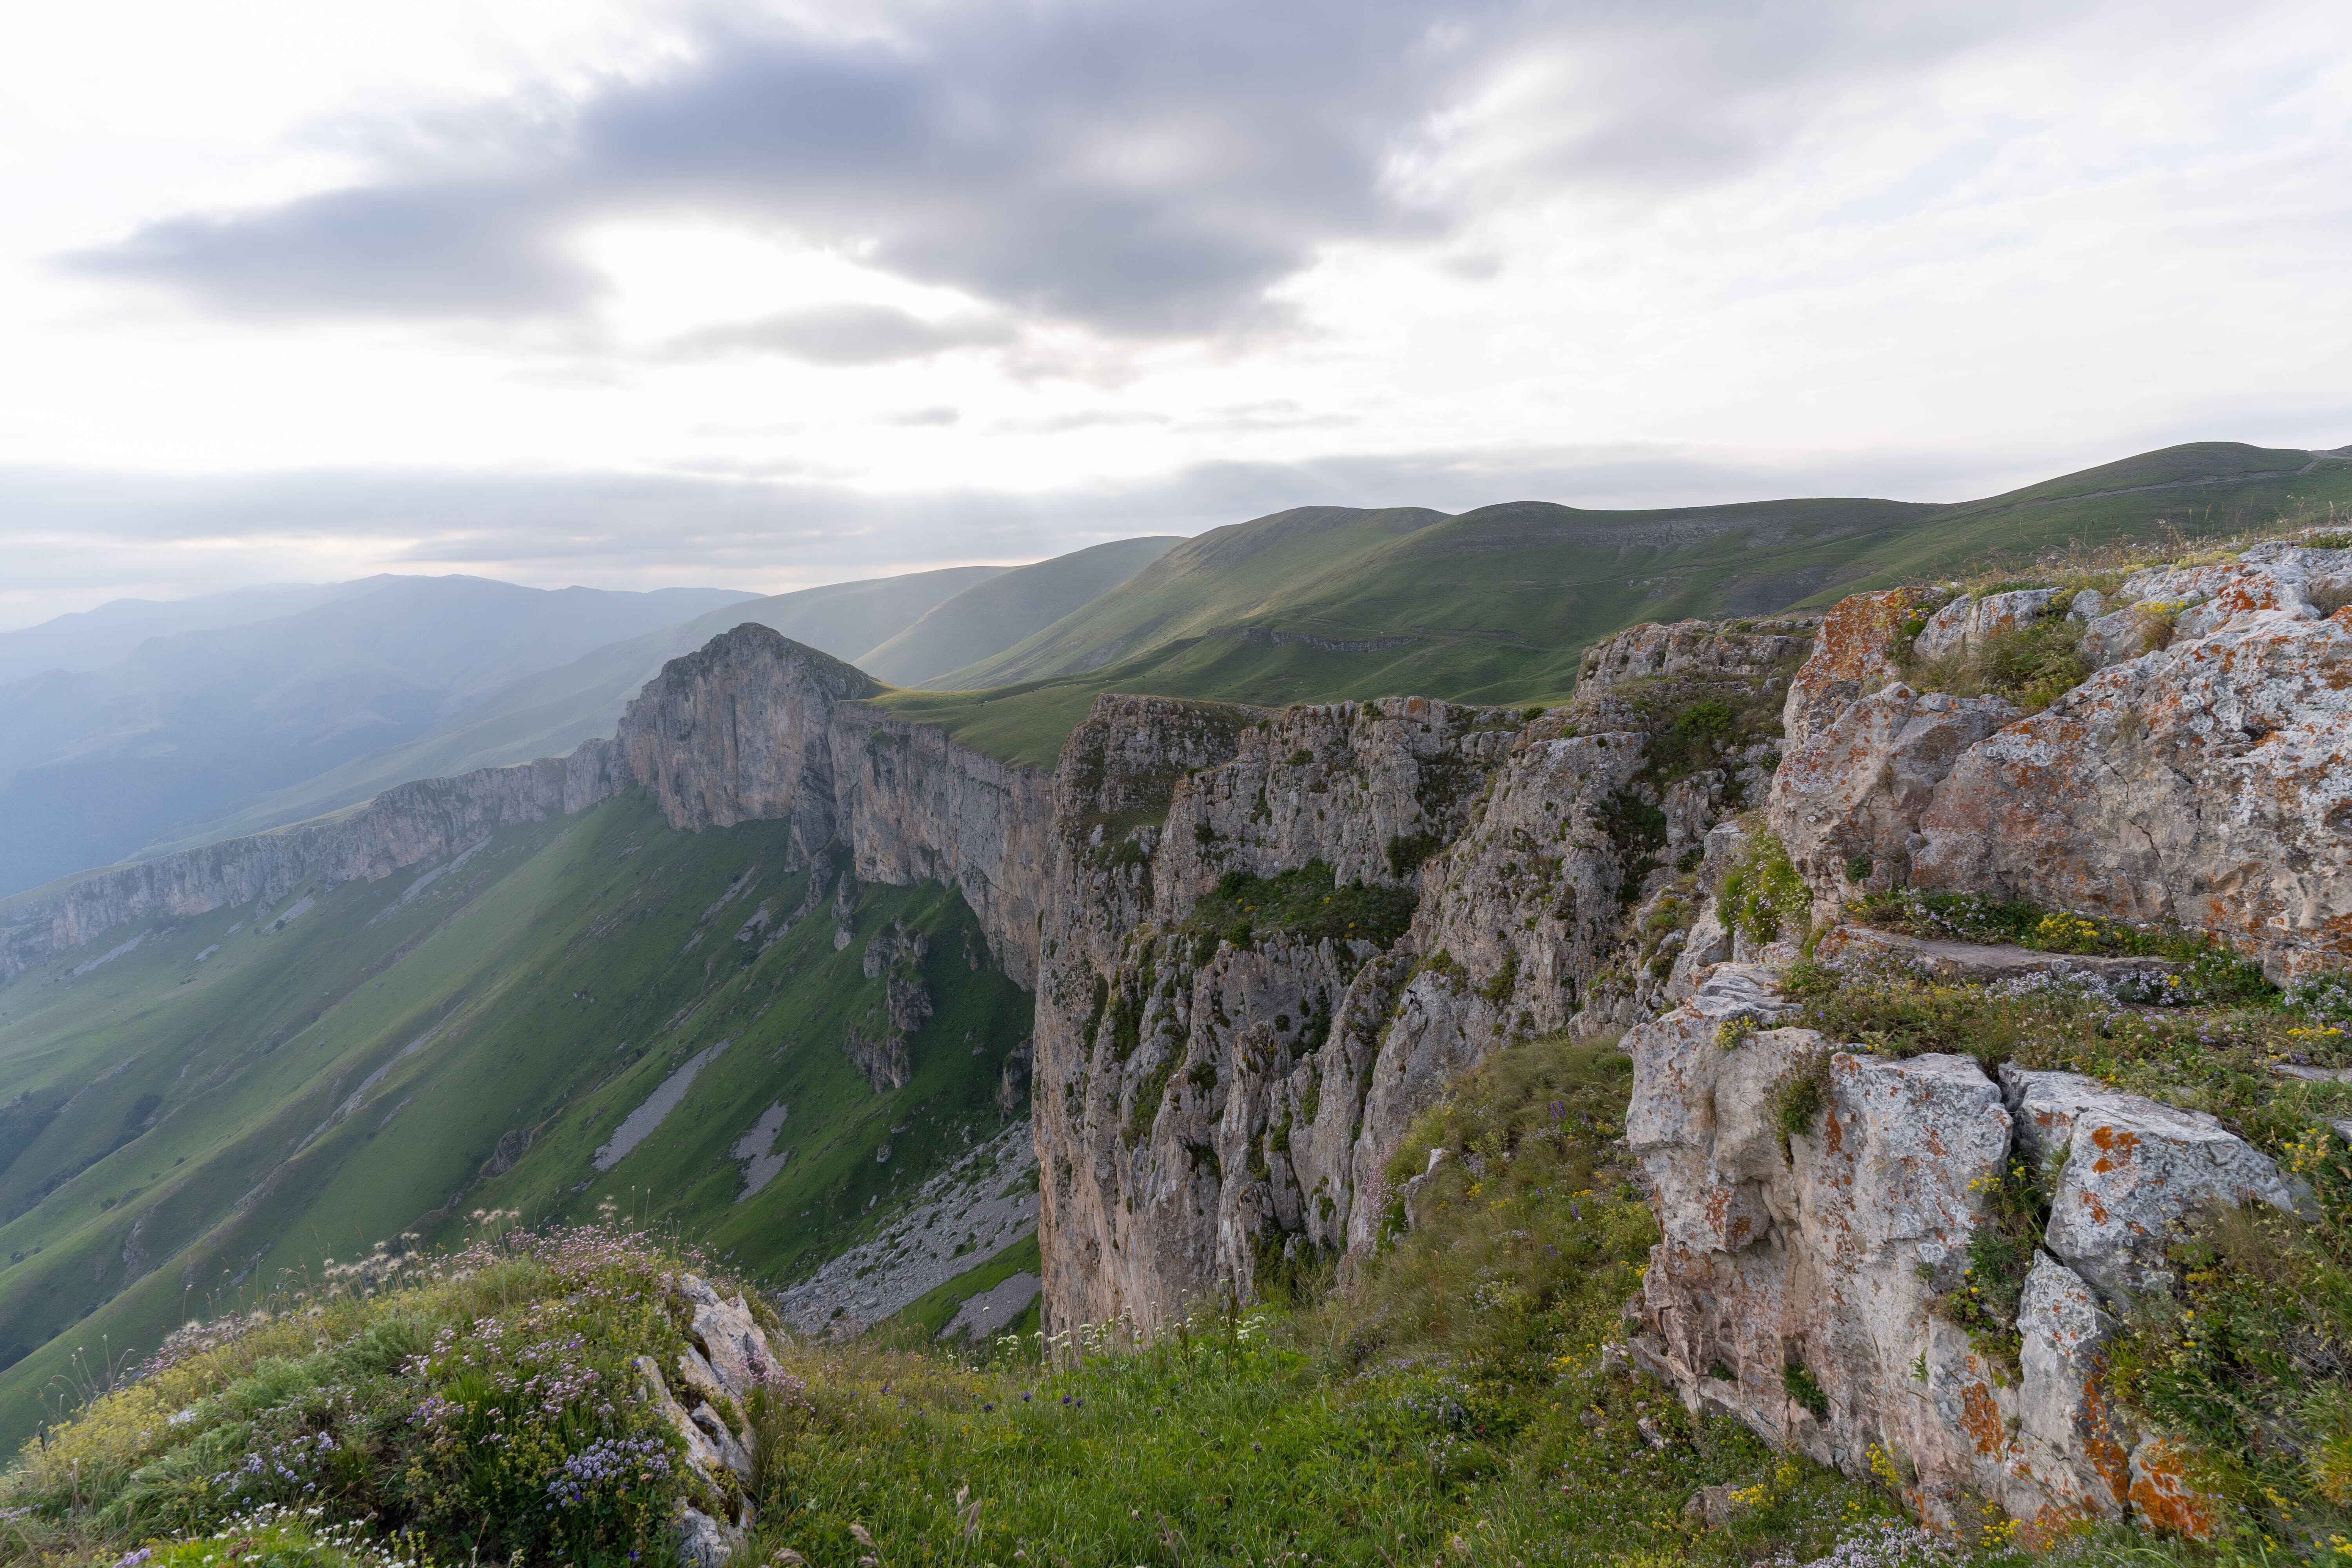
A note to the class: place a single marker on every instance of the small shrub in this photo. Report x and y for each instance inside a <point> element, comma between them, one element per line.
<point>1801,1388</point>
<point>1801,1097</point>
<point>1306,903</point>
<point>1762,896</point>
<point>2002,1249</point>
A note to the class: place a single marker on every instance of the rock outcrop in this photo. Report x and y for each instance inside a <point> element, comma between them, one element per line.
<point>1796,1284</point>
<point>707,1400</point>
<point>2208,784</point>
<point>2205,782</point>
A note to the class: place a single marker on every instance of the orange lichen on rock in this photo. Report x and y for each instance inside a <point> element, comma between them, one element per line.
<point>2161,1492</point>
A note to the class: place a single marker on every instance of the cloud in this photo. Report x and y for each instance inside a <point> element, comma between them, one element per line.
<point>1146,171</point>
<point>838,334</point>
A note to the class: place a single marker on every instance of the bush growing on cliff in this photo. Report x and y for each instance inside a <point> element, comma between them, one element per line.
<point>1762,896</point>
<point>1984,1300</point>
<point>1308,904</point>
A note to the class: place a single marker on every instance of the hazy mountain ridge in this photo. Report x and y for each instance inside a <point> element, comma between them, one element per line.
<point>96,764</point>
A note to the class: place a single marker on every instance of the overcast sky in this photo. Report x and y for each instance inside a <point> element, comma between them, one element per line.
<point>767,295</point>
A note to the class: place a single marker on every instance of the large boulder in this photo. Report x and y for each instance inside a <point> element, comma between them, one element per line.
<point>2130,1172</point>
<point>1966,625</point>
<point>1856,788</point>
<point>2208,784</point>
<point>1852,653</point>
<point>1796,1281</point>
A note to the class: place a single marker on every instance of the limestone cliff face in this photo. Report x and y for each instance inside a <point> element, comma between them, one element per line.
<point>403,826</point>
<point>1212,1102</point>
<point>914,806</point>
<point>738,731</point>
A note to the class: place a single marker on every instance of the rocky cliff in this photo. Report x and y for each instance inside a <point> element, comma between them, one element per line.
<point>1263,941</point>
<point>1273,939</point>
<point>751,726</point>
<point>404,826</point>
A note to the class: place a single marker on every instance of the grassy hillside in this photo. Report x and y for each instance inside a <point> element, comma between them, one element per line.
<point>995,614</point>
<point>1496,605</point>
<point>1240,573</point>
<point>251,1092</point>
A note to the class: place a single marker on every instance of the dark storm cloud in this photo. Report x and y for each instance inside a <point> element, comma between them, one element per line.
<point>1148,171</point>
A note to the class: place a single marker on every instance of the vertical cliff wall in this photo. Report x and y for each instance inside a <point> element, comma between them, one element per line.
<point>1271,940</point>
<point>411,823</point>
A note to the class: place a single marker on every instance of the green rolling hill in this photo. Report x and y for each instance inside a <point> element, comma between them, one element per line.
<point>992,614</point>
<point>1496,605</point>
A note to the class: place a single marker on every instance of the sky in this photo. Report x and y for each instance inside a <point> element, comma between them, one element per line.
<point>761,296</point>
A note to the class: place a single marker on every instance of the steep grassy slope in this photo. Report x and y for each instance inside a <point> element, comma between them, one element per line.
<point>1240,573</point>
<point>1496,605</point>
<point>251,1092</point>
<point>993,615</point>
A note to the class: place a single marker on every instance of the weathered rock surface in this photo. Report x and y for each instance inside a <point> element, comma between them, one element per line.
<point>2129,1173</point>
<point>2125,634</point>
<point>1982,962</point>
<point>1852,654</point>
<point>916,807</point>
<point>1848,798</point>
<point>736,732</point>
<point>1966,625</point>
<point>1826,1252</point>
<point>2209,784</point>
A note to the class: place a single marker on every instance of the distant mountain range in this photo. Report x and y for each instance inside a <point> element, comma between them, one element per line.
<point>142,726</point>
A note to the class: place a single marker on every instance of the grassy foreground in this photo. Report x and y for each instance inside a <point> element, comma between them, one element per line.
<point>1448,1406</point>
<point>1451,1405</point>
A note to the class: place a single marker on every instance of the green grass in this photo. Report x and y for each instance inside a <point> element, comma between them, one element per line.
<point>441,1410</point>
<point>992,616</point>
<point>919,1322</point>
<point>181,1135</point>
